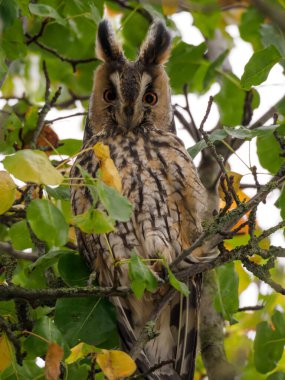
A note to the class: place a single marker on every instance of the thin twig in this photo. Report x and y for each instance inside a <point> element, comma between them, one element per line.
<point>251,308</point>
<point>152,369</point>
<point>71,61</point>
<point>39,34</point>
<point>66,117</point>
<point>247,108</point>
<point>219,158</point>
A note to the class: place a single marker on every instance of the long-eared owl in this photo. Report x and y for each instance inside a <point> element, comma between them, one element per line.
<point>130,111</point>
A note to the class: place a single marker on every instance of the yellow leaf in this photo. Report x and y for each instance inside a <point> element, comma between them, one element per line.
<point>32,166</point>
<point>7,191</point>
<point>244,277</point>
<point>79,351</point>
<point>110,174</point>
<point>169,7</point>
<point>6,352</point>
<point>236,181</point>
<point>102,151</point>
<point>52,361</point>
<point>115,364</point>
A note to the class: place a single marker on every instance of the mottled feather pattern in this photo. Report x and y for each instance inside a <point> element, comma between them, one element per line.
<point>160,180</point>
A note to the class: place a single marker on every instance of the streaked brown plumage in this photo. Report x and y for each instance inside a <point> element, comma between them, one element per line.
<point>160,180</point>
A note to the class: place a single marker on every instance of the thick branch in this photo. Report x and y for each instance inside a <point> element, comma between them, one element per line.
<point>11,292</point>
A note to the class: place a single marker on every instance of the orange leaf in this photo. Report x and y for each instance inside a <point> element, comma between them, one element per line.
<point>115,364</point>
<point>52,361</point>
<point>47,137</point>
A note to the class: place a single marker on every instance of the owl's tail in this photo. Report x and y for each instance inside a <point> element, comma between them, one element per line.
<point>177,340</point>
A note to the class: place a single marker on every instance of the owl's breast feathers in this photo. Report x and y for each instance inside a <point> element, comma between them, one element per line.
<point>160,180</point>
<point>168,199</point>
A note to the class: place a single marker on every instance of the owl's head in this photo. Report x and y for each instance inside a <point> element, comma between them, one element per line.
<point>130,94</point>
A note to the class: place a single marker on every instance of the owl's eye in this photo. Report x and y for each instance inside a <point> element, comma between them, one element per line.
<point>150,98</point>
<point>109,95</point>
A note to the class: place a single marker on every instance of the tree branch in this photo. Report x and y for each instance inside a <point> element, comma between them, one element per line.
<point>9,250</point>
<point>66,117</point>
<point>12,292</point>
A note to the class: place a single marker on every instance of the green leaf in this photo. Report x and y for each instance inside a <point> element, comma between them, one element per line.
<point>207,22</point>
<point>28,370</point>
<point>276,376</point>
<point>184,63</point>
<point>94,222</point>
<point>249,26</point>
<point>258,67</point>
<point>88,319</point>
<point>47,222</point>
<point>269,151</point>
<point>60,192</point>
<point>141,276</point>
<point>69,147</point>
<point>46,328</point>
<point>245,133</point>
<point>272,35</point>
<point>73,270</point>
<point>226,300</point>
<point>217,135</point>
<point>44,10</point>
<point>3,65</point>
<point>34,280</point>
<point>11,127</point>
<point>210,76</point>
<point>117,206</point>
<point>32,166</point>
<point>178,285</point>
<point>76,371</point>
<point>280,203</point>
<point>269,343</point>
<point>31,120</point>
<point>49,259</point>
<point>132,41</point>
<point>20,235</point>
<point>13,42</point>
<point>24,6</point>
<point>231,113</point>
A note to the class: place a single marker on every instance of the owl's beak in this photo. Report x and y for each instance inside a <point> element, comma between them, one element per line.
<point>129,116</point>
<point>128,111</point>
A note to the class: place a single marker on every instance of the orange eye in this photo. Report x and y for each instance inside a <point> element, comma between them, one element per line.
<point>150,98</point>
<point>109,96</point>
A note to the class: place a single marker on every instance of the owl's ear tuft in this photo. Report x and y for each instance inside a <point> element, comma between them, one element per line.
<point>107,47</point>
<point>157,45</point>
